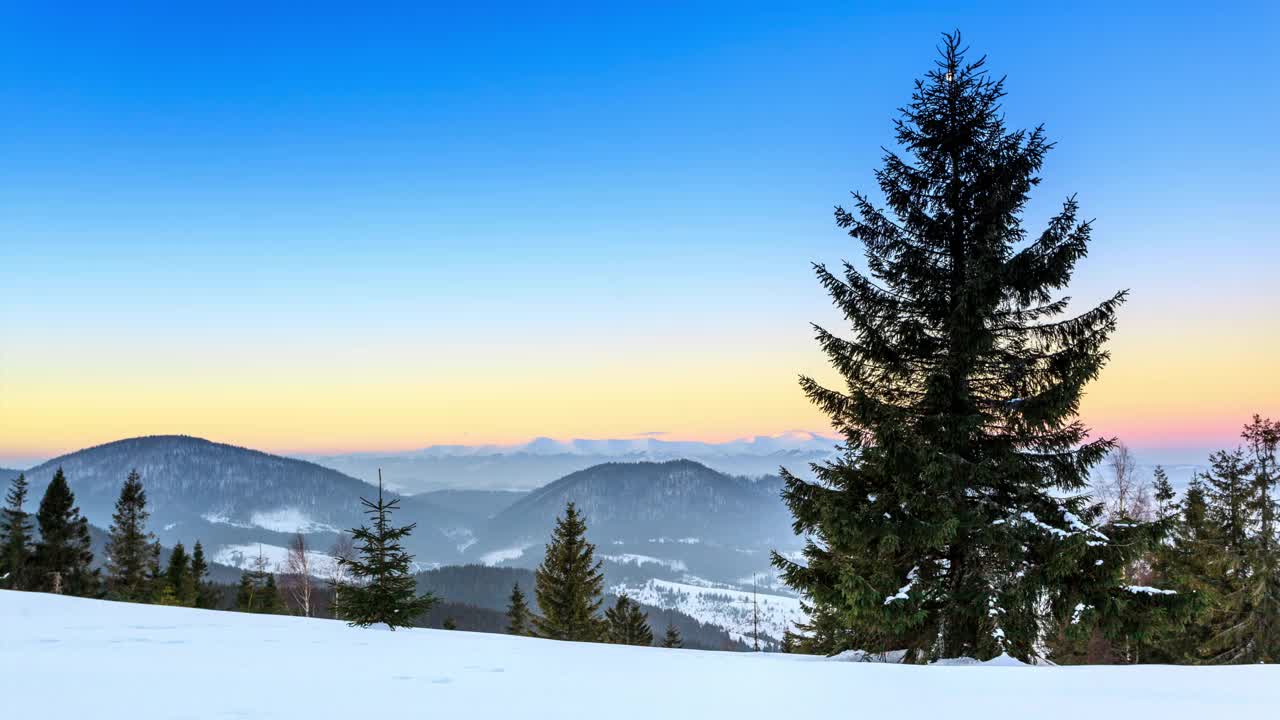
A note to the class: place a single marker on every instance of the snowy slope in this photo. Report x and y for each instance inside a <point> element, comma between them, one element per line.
<point>275,557</point>
<point>732,609</point>
<point>72,658</point>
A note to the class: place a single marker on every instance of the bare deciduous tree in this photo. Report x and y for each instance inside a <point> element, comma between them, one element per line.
<point>1126,495</point>
<point>297,575</point>
<point>338,576</point>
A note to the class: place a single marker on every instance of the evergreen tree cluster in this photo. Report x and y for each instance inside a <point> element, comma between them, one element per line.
<point>15,537</point>
<point>1224,549</point>
<point>54,554</point>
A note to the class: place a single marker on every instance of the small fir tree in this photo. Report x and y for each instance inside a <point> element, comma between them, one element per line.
<point>15,536</point>
<point>790,644</point>
<point>1190,563</point>
<point>257,591</point>
<point>1226,487</point>
<point>128,549</point>
<point>178,576</point>
<point>449,624</point>
<point>568,583</point>
<point>202,593</point>
<point>157,582</point>
<point>1165,496</point>
<point>246,591</point>
<point>672,637</point>
<point>1251,632</point>
<point>382,589</point>
<point>1227,492</point>
<point>271,602</point>
<point>63,560</point>
<point>627,623</point>
<point>517,612</point>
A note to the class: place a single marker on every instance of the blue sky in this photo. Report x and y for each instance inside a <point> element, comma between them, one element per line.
<point>211,194</point>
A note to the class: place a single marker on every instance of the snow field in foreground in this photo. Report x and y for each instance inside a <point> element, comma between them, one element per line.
<point>69,658</point>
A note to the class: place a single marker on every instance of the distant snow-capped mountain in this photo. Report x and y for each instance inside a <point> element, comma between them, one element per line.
<point>759,445</point>
<point>542,460</point>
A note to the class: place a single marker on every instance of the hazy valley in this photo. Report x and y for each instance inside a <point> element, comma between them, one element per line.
<point>676,534</point>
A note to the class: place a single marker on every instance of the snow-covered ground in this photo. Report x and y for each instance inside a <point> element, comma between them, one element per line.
<point>285,520</point>
<point>71,658</point>
<point>497,557</point>
<point>729,608</point>
<point>245,556</point>
<point>288,520</point>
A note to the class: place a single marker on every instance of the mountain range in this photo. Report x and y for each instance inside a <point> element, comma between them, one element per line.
<point>675,520</point>
<point>223,495</point>
<point>534,464</point>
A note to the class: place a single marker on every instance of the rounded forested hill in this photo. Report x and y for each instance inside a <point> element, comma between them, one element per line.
<point>188,475</point>
<point>643,501</point>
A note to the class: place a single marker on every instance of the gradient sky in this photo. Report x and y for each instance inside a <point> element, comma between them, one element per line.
<point>313,228</point>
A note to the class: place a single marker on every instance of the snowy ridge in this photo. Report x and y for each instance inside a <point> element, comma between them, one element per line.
<point>288,520</point>
<point>729,608</point>
<point>438,673</point>
<point>642,560</point>
<point>648,446</point>
<point>543,460</point>
<point>497,557</point>
<point>245,556</point>
<point>282,520</point>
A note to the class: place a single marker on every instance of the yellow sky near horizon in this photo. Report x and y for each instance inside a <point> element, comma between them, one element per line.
<point>1160,393</point>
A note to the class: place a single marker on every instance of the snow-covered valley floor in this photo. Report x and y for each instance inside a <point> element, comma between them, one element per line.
<point>65,657</point>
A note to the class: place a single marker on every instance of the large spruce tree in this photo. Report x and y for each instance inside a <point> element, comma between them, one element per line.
<point>956,520</point>
<point>383,590</point>
<point>568,583</point>
<point>63,560</point>
<point>15,536</point>
<point>128,546</point>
